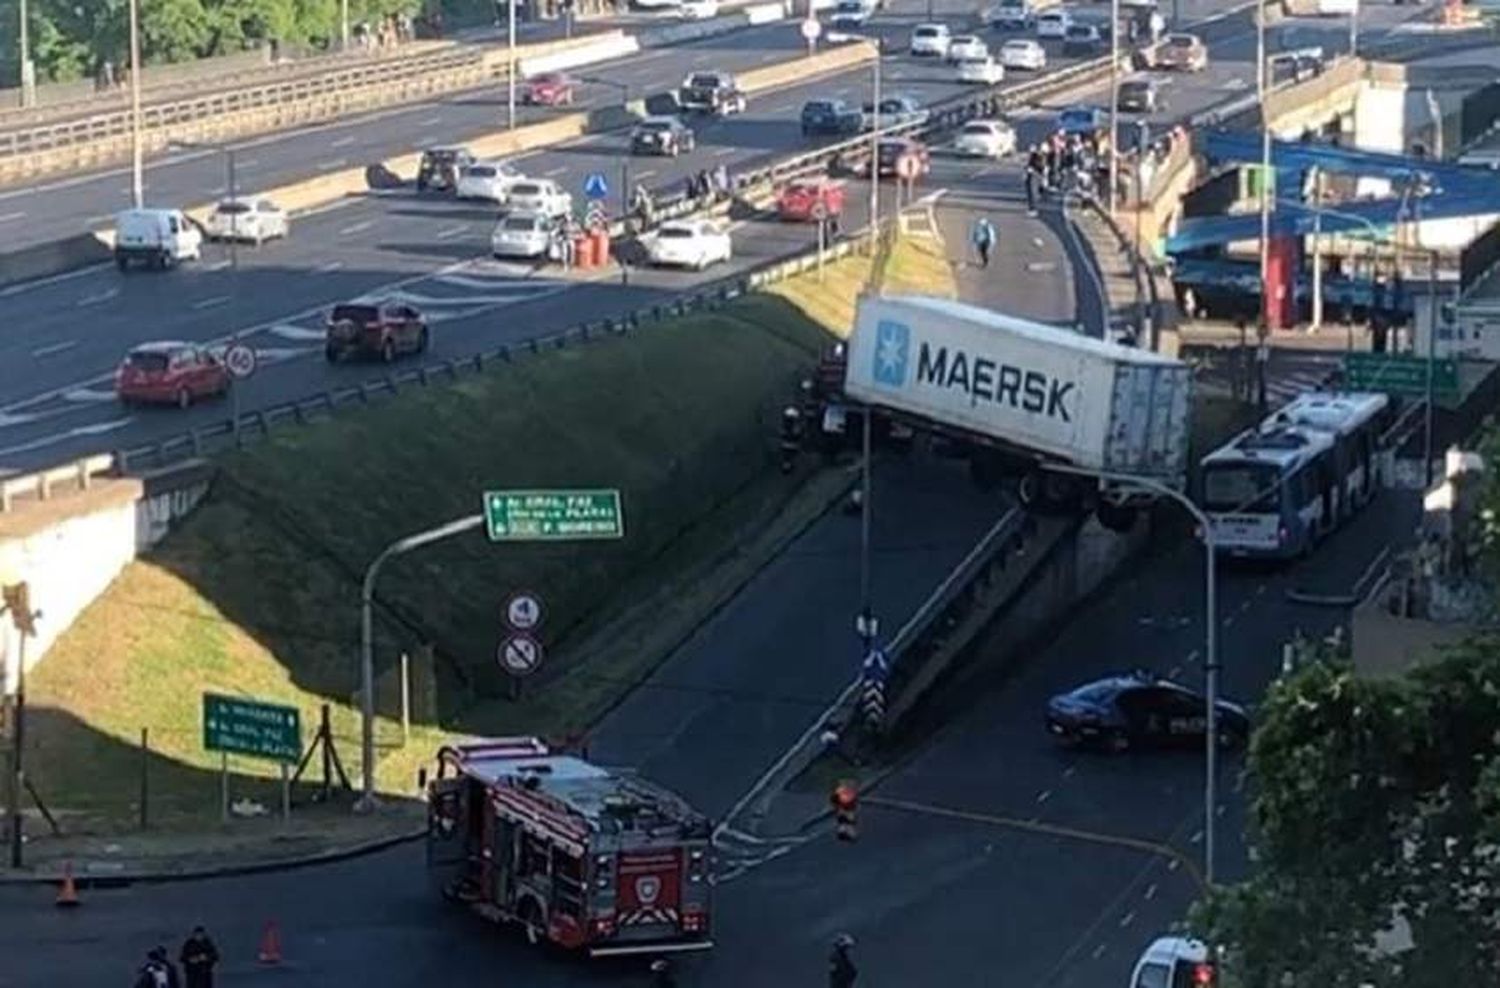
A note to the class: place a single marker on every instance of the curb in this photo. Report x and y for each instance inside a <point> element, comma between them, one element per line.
<point>124,878</point>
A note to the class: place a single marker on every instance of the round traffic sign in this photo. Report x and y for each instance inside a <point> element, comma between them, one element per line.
<point>811,29</point>
<point>239,360</point>
<point>908,166</point>
<point>520,654</point>
<point>523,611</point>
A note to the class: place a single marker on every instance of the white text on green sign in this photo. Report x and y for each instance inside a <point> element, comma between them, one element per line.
<point>249,727</point>
<point>518,516</point>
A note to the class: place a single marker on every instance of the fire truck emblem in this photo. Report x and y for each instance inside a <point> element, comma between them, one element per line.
<point>647,888</point>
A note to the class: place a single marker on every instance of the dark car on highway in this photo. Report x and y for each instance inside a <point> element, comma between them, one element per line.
<point>1140,96</point>
<point>830,116</point>
<point>1140,709</point>
<point>374,329</point>
<point>1083,40</point>
<point>894,152</point>
<point>441,167</point>
<point>711,92</point>
<point>662,135</point>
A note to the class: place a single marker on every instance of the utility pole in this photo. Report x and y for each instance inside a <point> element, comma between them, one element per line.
<point>344,25</point>
<point>1262,84</point>
<point>17,602</point>
<point>1114,104</point>
<point>1317,258</point>
<point>137,151</point>
<point>510,72</point>
<point>875,157</point>
<point>28,71</point>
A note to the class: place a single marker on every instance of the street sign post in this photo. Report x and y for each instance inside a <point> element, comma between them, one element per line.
<point>595,186</point>
<point>811,29</point>
<point>1400,374</point>
<point>240,361</point>
<point>553,515</point>
<point>523,611</point>
<point>520,654</point>
<point>233,725</point>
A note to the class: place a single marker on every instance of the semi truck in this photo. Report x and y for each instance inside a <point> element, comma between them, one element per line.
<point>1027,396</point>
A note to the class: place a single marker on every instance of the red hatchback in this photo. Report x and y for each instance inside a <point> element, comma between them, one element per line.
<point>806,200</point>
<point>170,373</point>
<point>549,89</point>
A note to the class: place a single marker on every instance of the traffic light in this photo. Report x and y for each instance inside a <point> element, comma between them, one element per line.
<point>17,598</point>
<point>845,800</point>
<point>1204,975</point>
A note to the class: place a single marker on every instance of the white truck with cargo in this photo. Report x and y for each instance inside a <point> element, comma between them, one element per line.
<point>1025,395</point>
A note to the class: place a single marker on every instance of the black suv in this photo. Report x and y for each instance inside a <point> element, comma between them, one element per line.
<point>711,92</point>
<point>441,167</point>
<point>661,135</point>
<point>830,116</point>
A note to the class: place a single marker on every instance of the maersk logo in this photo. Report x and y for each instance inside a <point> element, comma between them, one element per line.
<point>892,347</point>
<point>983,379</point>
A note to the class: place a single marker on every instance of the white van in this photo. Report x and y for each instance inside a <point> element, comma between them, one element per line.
<point>156,237</point>
<point>1173,962</point>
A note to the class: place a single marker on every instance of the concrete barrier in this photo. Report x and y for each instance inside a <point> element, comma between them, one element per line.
<point>52,257</point>
<point>765,13</point>
<point>805,68</point>
<point>603,50</point>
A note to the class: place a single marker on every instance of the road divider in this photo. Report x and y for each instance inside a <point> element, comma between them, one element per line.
<point>591,51</point>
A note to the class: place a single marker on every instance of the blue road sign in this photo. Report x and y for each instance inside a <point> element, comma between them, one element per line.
<point>876,666</point>
<point>595,187</point>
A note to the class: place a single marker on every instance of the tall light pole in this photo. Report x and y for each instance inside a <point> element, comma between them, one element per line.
<point>137,151</point>
<point>344,25</point>
<point>1210,642</point>
<point>510,69</point>
<point>1354,29</point>
<point>875,157</point>
<point>1114,102</point>
<point>367,642</point>
<point>1262,85</point>
<point>28,72</point>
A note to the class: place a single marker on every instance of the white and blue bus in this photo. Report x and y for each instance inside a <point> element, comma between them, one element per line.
<point>1274,491</point>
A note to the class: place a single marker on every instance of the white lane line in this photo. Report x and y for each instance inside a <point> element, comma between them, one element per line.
<point>74,433</point>
<point>48,351</point>
<point>329,267</point>
<point>722,152</point>
<point>242,163</point>
<point>331,164</point>
<point>784,108</point>
<point>1244,605</point>
<point>842,92</point>
<point>97,297</point>
<point>1260,590</point>
<point>431,121</point>
<point>6,421</point>
<point>1151,891</point>
<point>7,217</point>
<point>342,142</point>
<point>209,303</point>
<point>86,396</point>
<point>1046,794</point>
<point>645,173</point>
<point>1191,657</point>
<point>451,232</point>
<point>219,265</point>
<point>55,279</point>
<point>1229,621</point>
<point>1098,951</point>
<point>297,333</point>
<point>1127,919</point>
<point>1197,837</point>
<point>1174,672</point>
<point>1068,772</point>
<point>1172,864</point>
<point>555,171</point>
<point>354,228</point>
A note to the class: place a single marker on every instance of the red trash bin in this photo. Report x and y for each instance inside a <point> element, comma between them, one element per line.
<point>601,246</point>
<point>583,251</point>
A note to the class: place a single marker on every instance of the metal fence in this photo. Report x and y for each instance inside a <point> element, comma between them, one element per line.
<point>1477,114</point>
<point>1478,259</point>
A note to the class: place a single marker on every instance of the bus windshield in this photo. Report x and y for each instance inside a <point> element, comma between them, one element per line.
<point>1240,487</point>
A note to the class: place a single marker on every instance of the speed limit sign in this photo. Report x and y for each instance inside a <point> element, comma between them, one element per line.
<point>908,166</point>
<point>811,29</point>
<point>239,360</point>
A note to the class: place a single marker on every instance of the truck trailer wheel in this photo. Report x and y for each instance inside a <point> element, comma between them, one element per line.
<point>1048,493</point>
<point>1115,517</point>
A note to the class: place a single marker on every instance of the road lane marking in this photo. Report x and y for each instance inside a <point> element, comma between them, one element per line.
<point>7,217</point>
<point>243,163</point>
<point>48,351</point>
<point>449,233</point>
<point>1127,919</point>
<point>219,265</point>
<point>329,267</point>
<point>342,142</point>
<point>431,121</point>
<point>97,297</point>
<point>1191,657</point>
<point>1068,772</point>
<point>354,228</point>
<point>1150,891</point>
<point>1197,837</point>
<point>721,152</point>
<point>1229,621</point>
<point>331,164</point>
<point>209,303</point>
<point>555,171</point>
<point>1173,672</point>
<point>1260,590</point>
<point>290,332</point>
<point>62,437</point>
<point>645,173</point>
<point>1172,855</point>
<point>1098,951</point>
<point>1045,795</point>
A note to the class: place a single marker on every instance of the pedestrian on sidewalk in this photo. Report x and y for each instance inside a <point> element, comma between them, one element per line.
<point>983,235</point>
<point>841,969</point>
<point>199,958</point>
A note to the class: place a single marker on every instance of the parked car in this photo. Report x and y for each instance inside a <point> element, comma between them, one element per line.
<point>1140,96</point>
<point>253,219</point>
<point>893,151</point>
<point>1083,41</point>
<point>985,71</point>
<point>488,180</point>
<point>383,329</point>
<point>711,92</point>
<point>441,167</point>
<point>159,238</point>
<point>661,135</point>
<point>549,89</point>
<point>1023,53</point>
<point>1083,120</point>
<point>688,243</point>
<point>523,234</point>
<point>830,116</point>
<point>1182,52</point>
<point>851,13</point>
<point>170,373</point>
<point>930,39</point>
<point>1137,708</point>
<point>985,139</point>
<point>1053,24</point>
<point>894,111</point>
<point>1009,15</point>
<point>540,195</point>
<point>807,199</point>
<point>966,46</point>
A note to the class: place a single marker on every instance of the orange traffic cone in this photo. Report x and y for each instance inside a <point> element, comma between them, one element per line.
<point>270,945</point>
<point>67,892</point>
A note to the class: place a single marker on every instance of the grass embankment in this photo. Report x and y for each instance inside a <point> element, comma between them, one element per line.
<point>257,593</point>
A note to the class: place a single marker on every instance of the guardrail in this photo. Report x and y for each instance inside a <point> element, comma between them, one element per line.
<point>41,483</point>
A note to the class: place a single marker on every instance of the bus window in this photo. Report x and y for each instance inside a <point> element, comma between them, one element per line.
<point>1239,488</point>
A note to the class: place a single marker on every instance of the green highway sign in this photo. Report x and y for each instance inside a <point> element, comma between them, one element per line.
<point>1400,374</point>
<point>250,727</point>
<point>555,515</point>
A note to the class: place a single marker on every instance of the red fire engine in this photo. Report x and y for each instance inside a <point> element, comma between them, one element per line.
<point>586,857</point>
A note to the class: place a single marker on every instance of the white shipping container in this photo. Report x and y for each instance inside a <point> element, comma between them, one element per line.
<point>1045,390</point>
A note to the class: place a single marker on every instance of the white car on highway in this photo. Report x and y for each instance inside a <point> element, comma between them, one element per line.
<point>966,46</point>
<point>1053,24</point>
<point>253,219</point>
<point>985,71</point>
<point>985,139</point>
<point>487,180</point>
<point>539,195</point>
<point>930,39</point>
<point>1024,54</point>
<point>523,234</point>
<point>688,244</point>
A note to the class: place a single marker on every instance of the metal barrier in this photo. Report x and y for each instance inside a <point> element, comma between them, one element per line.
<point>40,484</point>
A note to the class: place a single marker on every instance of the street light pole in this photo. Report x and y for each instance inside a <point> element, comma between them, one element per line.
<point>28,74</point>
<point>1114,102</point>
<point>367,642</point>
<point>875,157</point>
<point>1210,641</point>
<point>343,25</point>
<point>1354,29</point>
<point>1262,83</point>
<point>137,151</point>
<point>510,72</point>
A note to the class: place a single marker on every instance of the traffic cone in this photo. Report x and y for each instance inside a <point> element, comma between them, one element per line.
<point>67,892</point>
<point>270,945</point>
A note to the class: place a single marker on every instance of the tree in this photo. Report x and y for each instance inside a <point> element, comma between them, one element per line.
<point>1376,824</point>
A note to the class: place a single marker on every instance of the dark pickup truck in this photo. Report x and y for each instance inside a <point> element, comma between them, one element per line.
<point>711,92</point>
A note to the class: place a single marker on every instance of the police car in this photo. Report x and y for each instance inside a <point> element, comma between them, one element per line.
<point>1139,708</point>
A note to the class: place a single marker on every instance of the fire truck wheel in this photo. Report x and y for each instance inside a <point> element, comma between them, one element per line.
<point>531,919</point>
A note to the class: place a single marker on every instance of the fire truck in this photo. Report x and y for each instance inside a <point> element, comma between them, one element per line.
<point>588,858</point>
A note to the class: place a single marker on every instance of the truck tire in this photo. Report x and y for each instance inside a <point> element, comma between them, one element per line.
<point>122,262</point>
<point>1115,517</point>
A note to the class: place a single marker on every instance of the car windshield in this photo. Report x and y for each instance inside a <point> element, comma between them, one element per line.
<point>1152,975</point>
<point>927,32</point>
<point>1135,88</point>
<point>234,207</point>
<point>966,39</point>
<point>676,233</point>
<point>1053,18</point>
<point>522,223</point>
<point>1018,46</point>
<point>355,313</point>
<point>441,157</point>
<point>974,60</point>
<point>147,360</point>
<point>481,171</point>
<point>889,150</point>
<point>982,129</point>
<point>821,106</point>
<point>1078,117</point>
<point>525,189</point>
<point>703,81</point>
<point>547,79</point>
<point>1080,31</point>
<point>850,7</point>
<point>657,126</point>
<point>1239,487</point>
<point>1181,41</point>
<point>1101,692</point>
